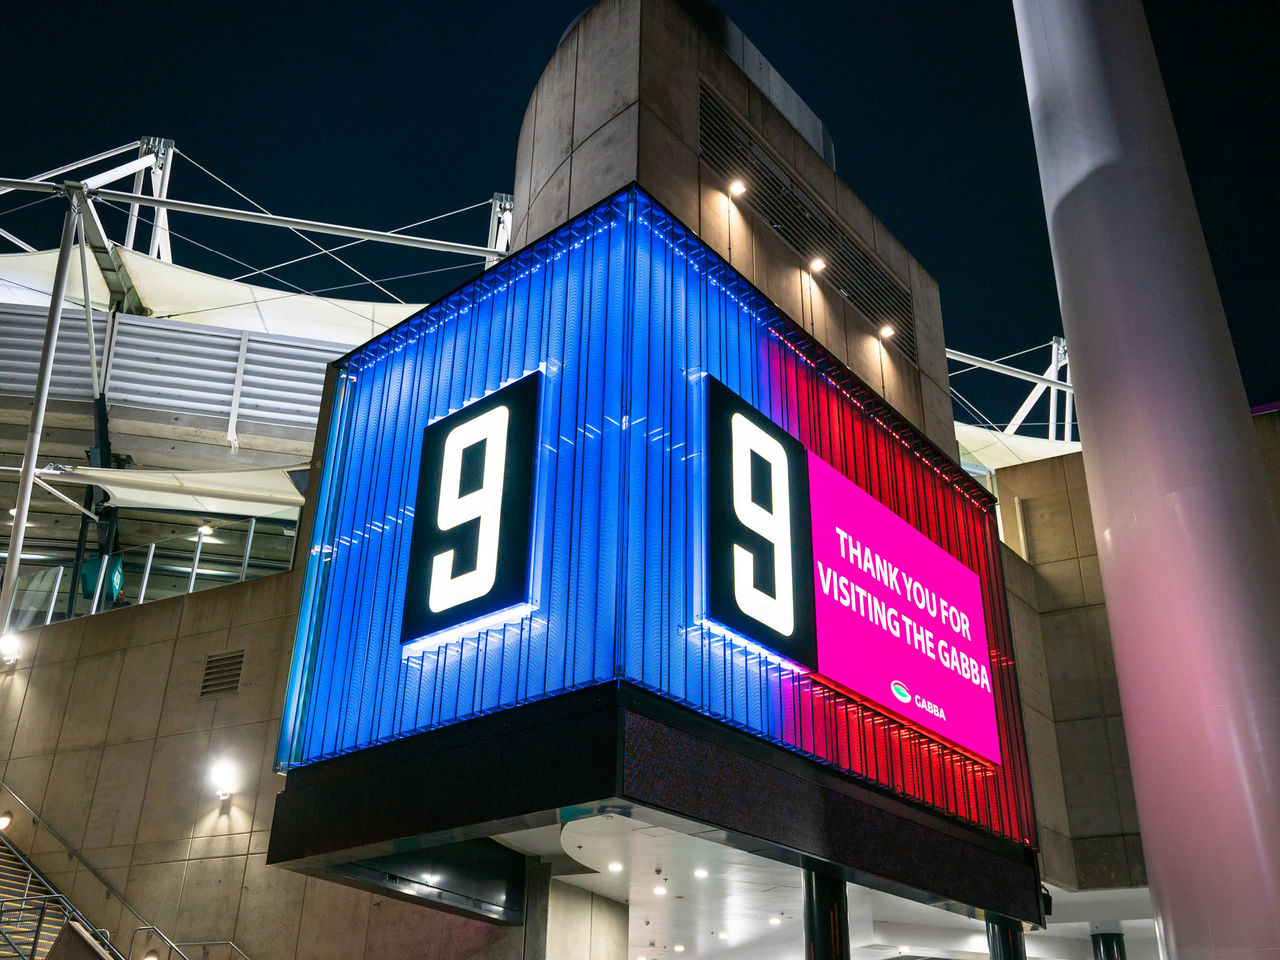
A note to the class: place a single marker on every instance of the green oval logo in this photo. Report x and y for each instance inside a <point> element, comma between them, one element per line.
<point>900,691</point>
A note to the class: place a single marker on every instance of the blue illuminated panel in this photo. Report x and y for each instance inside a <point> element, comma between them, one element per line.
<point>625,314</point>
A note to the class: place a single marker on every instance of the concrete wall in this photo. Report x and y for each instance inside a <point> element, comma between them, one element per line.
<point>103,733</point>
<point>1088,818</point>
<point>619,102</point>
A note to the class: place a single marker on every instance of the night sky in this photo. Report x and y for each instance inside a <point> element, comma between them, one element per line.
<point>382,114</point>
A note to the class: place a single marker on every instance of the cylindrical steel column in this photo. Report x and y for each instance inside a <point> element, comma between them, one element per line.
<point>26,479</point>
<point>1005,940</point>
<point>826,917</point>
<point>1108,946</point>
<point>1186,531</point>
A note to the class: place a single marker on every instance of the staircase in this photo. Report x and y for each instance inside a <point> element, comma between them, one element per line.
<point>32,913</point>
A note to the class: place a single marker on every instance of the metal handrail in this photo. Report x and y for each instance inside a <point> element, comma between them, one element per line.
<point>71,851</point>
<point>214,943</point>
<point>156,931</point>
<point>69,910</point>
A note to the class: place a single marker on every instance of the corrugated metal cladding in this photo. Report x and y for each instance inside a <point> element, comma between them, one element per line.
<point>626,314</point>
<point>730,150</point>
<point>170,365</point>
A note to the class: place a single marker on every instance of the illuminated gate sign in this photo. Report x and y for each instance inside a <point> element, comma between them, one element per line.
<point>610,459</point>
<point>898,619</point>
<point>469,563</point>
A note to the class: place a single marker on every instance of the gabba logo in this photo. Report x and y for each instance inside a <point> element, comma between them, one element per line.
<point>900,691</point>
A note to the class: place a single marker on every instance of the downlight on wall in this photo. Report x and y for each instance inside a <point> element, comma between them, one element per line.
<point>737,188</point>
<point>886,332</point>
<point>225,777</point>
<point>10,648</point>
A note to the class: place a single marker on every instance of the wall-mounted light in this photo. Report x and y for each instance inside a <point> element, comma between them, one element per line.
<point>225,778</point>
<point>737,188</point>
<point>817,265</point>
<point>886,332</point>
<point>206,529</point>
<point>6,818</point>
<point>10,648</point>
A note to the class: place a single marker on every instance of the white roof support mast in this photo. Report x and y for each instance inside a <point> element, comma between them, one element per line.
<point>1056,379</point>
<point>83,226</point>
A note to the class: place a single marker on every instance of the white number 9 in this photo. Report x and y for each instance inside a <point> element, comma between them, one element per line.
<point>776,612</point>
<point>483,504</point>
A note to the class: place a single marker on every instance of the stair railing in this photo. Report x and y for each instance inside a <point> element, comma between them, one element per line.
<point>72,852</point>
<point>100,936</point>
<point>43,902</point>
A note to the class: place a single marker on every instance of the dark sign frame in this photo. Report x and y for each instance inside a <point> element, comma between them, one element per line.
<point>511,586</point>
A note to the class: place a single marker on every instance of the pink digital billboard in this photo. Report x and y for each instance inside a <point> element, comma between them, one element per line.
<point>898,619</point>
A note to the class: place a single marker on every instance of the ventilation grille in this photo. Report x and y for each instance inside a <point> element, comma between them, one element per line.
<point>731,151</point>
<point>222,674</point>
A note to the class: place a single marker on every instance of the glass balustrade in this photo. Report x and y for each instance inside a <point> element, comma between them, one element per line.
<point>52,589</point>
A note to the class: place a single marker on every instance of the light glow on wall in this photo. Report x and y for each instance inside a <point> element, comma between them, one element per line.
<point>626,314</point>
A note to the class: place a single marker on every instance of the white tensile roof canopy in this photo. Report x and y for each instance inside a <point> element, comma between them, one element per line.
<point>180,293</point>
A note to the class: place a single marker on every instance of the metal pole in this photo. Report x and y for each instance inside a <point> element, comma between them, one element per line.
<point>131,230</point>
<point>160,246</point>
<point>248,546</point>
<point>1067,415</point>
<point>1005,940</point>
<point>271,220</point>
<point>1054,365</point>
<point>289,223</point>
<point>27,478</point>
<point>53,596</point>
<point>1108,946</point>
<point>826,917</point>
<point>1188,542</point>
<point>58,171</point>
<point>97,589</point>
<point>1027,375</point>
<point>195,561</point>
<point>88,307</point>
<point>17,241</point>
<point>146,573</point>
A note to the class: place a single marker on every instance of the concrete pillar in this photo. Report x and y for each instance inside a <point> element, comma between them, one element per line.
<point>1005,940</point>
<point>826,917</point>
<point>1187,537</point>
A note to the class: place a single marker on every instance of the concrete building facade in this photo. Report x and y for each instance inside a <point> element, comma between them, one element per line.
<point>107,729</point>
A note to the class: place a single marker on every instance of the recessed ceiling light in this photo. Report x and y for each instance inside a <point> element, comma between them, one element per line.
<point>659,891</point>
<point>723,935</point>
<point>678,948</point>
<point>775,921</point>
<point>615,867</point>
<point>700,873</point>
<point>737,188</point>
